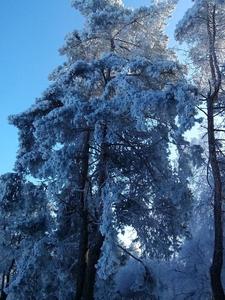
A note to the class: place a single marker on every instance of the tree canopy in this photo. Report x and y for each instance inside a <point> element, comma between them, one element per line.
<point>107,151</point>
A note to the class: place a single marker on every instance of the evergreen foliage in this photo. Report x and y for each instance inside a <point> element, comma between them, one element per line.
<point>104,151</point>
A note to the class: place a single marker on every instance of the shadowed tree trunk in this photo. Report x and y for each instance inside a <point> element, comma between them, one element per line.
<point>6,280</point>
<point>3,294</point>
<point>217,263</point>
<point>83,242</point>
<point>93,255</point>
<point>213,95</point>
<point>96,239</point>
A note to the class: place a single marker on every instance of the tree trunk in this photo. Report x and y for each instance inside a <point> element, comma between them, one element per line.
<point>213,95</point>
<point>83,248</point>
<point>96,239</point>
<point>217,262</point>
<point>93,255</point>
<point>83,242</point>
<point>3,294</point>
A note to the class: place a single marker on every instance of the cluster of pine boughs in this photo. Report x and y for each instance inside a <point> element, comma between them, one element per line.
<point>112,195</point>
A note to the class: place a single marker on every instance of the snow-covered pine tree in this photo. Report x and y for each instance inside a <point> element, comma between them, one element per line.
<point>203,29</point>
<point>24,225</point>
<point>100,140</point>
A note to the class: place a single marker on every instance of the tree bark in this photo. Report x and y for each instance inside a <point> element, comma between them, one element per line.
<point>96,239</point>
<point>213,95</point>
<point>6,280</point>
<point>3,294</point>
<point>83,248</point>
<point>83,242</point>
<point>217,262</point>
<point>93,255</point>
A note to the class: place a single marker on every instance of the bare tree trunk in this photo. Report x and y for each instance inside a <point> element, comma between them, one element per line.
<point>83,248</point>
<point>96,239</point>
<point>3,294</point>
<point>215,85</point>
<point>6,280</point>
<point>83,242</point>
<point>93,255</point>
<point>217,263</point>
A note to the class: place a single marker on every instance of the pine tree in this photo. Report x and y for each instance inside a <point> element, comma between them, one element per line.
<point>203,29</point>
<point>99,143</point>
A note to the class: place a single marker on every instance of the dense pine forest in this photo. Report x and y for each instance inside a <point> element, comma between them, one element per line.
<point>118,186</point>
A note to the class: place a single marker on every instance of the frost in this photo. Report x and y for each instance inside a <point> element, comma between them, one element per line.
<point>98,144</point>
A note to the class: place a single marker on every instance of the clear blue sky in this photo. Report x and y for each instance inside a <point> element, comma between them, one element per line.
<point>31,34</point>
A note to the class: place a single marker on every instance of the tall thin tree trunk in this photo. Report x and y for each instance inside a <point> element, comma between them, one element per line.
<point>6,280</point>
<point>93,255</point>
<point>217,262</point>
<point>96,239</point>
<point>83,248</point>
<point>83,242</point>
<point>3,294</point>
<point>215,85</point>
